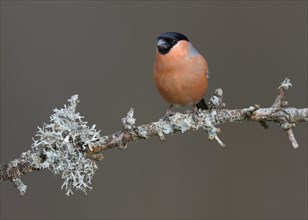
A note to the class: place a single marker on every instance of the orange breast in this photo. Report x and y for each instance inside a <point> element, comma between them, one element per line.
<point>181,75</point>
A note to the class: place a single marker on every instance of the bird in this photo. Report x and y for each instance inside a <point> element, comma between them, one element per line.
<point>180,72</point>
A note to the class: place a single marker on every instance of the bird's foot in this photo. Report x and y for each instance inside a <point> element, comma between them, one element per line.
<point>168,114</point>
<point>195,110</point>
<point>195,113</point>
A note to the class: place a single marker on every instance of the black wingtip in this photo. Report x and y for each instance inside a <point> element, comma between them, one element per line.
<point>202,105</point>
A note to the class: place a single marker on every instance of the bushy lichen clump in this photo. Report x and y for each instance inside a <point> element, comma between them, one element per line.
<point>61,147</point>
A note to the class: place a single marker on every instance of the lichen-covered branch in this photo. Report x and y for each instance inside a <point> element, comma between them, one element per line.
<point>69,147</point>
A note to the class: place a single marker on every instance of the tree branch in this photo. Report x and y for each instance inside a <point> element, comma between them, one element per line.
<point>69,147</point>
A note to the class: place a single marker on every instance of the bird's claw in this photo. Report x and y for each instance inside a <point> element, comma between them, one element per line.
<point>168,114</point>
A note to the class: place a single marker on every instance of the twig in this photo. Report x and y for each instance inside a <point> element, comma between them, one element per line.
<point>292,138</point>
<point>284,86</point>
<point>69,147</point>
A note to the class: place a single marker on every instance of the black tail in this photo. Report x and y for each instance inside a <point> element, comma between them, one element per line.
<point>202,105</point>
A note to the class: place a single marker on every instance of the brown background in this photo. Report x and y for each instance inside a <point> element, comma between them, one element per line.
<point>104,51</point>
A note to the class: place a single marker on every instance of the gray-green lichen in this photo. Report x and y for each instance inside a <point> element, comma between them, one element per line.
<point>61,147</point>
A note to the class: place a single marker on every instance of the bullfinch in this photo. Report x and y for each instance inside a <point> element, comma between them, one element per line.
<point>180,72</point>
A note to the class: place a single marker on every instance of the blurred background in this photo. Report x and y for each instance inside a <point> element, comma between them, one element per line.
<point>104,51</point>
